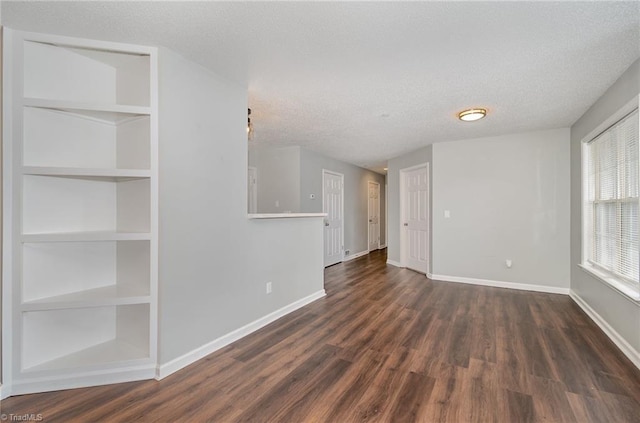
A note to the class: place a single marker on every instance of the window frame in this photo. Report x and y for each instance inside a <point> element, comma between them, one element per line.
<point>625,286</point>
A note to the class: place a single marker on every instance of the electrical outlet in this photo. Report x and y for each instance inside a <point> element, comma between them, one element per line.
<point>347,252</point>
<point>509,263</point>
<point>269,287</point>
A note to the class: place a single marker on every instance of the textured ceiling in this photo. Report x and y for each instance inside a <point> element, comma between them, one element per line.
<point>365,82</point>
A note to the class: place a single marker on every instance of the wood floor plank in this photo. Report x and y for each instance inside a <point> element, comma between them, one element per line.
<point>483,342</point>
<point>386,345</point>
<point>290,387</point>
<point>302,409</point>
<point>341,399</point>
<point>520,407</point>
<point>376,404</point>
<point>445,402</point>
<point>410,404</point>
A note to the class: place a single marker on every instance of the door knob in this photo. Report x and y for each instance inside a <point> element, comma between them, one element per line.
<point>406,224</point>
<point>326,223</point>
<point>370,220</point>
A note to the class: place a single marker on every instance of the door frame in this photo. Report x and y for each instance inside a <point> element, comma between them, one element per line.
<point>254,192</point>
<point>403,195</point>
<point>386,213</point>
<point>369,214</point>
<point>324,172</point>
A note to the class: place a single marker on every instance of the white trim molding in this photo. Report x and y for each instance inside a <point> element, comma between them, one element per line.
<point>73,380</point>
<point>631,353</point>
<point>394,263</point>
<point>500,284</point>
<point>382,246</point>
<point>356,255</point>
<point>183,361</point>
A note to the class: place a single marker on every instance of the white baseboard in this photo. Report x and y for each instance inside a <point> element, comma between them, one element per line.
<point>356,255</point>
<point>631,353</point>
<point>3,393</point>
<point>382,247</point>
<point>183,361</point>
<point>500,284</point>
<point>394,263</point>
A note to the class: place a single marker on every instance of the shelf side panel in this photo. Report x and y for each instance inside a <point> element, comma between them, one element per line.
<point>53,269</point>
<point>133,144</point>
<point>133,269</point>
<point>133,205</point>
<point>132,81</point>
<point>132,326</point>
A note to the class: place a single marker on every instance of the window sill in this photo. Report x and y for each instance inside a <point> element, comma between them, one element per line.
<point>613,283</point>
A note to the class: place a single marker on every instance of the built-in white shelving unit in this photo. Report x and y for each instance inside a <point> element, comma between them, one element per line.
<point>79,214</point>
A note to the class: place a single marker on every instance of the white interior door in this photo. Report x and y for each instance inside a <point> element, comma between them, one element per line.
<point>374,215</point>
<point>332,204</point>
<point>415,224</point>
<point>252,194</point>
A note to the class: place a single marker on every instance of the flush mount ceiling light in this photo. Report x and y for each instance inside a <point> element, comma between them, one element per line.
<point>470,115</point>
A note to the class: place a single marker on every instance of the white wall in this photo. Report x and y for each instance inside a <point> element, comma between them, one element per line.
<point>619,315</point>
<point>508,198</point>
<point>356,192</point>
<point>278,178</point>
<point>214,262</point>
<point>291,174</point>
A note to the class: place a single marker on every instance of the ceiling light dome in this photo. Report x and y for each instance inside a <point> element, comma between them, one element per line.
<point>470,115</point>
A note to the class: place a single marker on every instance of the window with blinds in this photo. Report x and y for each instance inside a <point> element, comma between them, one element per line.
<point>611,201</point>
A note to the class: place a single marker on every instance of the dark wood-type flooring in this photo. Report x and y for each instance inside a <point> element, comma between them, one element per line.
<point>387,345</point>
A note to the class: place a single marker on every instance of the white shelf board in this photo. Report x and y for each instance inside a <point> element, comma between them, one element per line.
<point>97,297</point>
<point>113,113</point>
<point>108,174</point>
<point>86,236</point>
<point>107,352</point>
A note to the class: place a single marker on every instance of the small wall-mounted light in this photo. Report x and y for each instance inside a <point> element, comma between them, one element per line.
<point>249,125</point>
<point>471,115</point>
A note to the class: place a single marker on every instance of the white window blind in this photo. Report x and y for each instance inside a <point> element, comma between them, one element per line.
<point>611,203</point>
